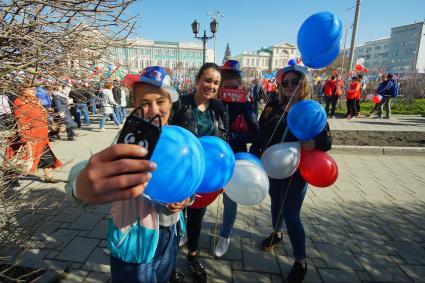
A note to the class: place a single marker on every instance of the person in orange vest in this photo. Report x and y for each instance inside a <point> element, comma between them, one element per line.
<point>352,94</point>
<point>332,90</point>
<point>362,86</point>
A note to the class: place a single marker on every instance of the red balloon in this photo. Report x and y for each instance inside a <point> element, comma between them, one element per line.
<point>365,70</point>
<point>318,168</point>
<point>376,99</point>
<point>359,67</point>
<point>130,79</point>
<point>204,199</point>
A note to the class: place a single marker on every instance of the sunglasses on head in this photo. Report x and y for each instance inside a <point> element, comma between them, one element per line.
<point>294,82</point>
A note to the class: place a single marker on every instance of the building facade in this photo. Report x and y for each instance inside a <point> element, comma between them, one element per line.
<point>407,48</point>
<point>267,59</point>
<point>375,53</point>
<point>402,52</point>
<point>141,53</point>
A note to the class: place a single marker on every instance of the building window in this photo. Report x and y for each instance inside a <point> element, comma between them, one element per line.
<point>377,47</point>
<point>368,49</point>
<point>257,62</point>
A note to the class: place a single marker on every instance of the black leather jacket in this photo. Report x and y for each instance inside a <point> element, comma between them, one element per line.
<point>182,115</point>
<point>268,136</point>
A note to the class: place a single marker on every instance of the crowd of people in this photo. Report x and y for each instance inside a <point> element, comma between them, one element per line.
<point>144,236</point>
<point>333,89</point>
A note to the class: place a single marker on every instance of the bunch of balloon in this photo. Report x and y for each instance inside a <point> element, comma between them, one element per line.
<point>318,168</point>
<point>377,98</point>
<point>180,163</point>
<point>281,160</point>
<point>219,164</point>
<point>250,157</point>
<point>249,184</point>
<point>306,119</point>
<point>318,39</point>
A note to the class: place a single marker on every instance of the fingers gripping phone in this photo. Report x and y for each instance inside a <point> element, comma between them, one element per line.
<point>138,130</point>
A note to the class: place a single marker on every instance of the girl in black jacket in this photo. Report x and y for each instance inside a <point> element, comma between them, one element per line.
<point>203,115</point>
<point>287,195</point>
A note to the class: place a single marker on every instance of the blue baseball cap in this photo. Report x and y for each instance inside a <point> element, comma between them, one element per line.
<point>155,76</point>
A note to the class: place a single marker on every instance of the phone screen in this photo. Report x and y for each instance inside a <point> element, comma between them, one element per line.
<point>138,131</point>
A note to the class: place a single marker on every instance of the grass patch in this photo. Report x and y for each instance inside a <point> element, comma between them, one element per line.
<point>398,106</point>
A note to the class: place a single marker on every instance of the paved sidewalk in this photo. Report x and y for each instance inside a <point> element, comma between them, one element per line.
<point>396,123</point>
<point>368,227</point>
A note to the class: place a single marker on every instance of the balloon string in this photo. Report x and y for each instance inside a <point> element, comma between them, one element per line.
<point>280,210</point>
<point>286,109</point>
<point>215,236</point>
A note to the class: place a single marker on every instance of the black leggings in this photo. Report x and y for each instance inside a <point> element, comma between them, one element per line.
<point>194,223</point>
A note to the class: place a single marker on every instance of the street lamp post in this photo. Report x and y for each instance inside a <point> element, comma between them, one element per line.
<point>214,15</point>
<point>204,38</point>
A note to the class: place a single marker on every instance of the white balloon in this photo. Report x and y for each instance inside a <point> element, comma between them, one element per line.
<point>281,160</point>
<point>249,184</point>
<point>360,61</point>
<point>370,96</point>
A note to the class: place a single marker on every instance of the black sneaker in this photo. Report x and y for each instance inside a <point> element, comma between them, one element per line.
<point>176,276</point>
<point>297,273</point>
<point>198,270</point>
<point>271,241</point>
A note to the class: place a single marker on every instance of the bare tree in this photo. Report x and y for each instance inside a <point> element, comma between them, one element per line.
<point>54,40</point>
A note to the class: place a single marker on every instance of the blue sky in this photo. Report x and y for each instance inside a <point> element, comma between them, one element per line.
<point>247,25</point>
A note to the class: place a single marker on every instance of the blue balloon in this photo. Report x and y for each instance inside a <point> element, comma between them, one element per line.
<point>181,166</point>
<point>219,164</point>
<point>306,119</point>
<point>292,62</point>
<point>319,34</point>
<point>250,157</point>
<point>323,60</point>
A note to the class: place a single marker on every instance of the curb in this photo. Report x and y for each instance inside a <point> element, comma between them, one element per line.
<point>377,150</point>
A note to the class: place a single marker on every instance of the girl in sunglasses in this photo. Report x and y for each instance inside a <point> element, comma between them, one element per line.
<point>287,195</point>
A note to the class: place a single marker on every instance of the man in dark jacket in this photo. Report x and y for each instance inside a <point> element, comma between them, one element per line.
<point>258,93</point>
<point>387,94</point>
<point>116,91</point>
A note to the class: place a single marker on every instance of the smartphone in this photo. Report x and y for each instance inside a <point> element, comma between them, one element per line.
<point>137,130</point>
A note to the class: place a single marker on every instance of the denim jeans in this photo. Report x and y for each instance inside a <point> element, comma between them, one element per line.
<point>105,116</point>
<point>229,216</point>
<point>82,107</point>
<point>93,105</point>
<point>158,270</point>
<point>118,114</point>
<point>123,114</point>
<point>295,189</point>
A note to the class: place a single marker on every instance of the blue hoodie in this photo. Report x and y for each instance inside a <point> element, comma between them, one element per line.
<point>43,97</point>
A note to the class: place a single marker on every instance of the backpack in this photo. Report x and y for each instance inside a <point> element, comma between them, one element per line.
<point>394,89</point>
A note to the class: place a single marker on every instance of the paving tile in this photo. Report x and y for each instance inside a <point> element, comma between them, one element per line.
<point>415,272</point>
<point>338,256</point>
<point>99,231</point>
<point>61,238</point>
<point>69,214</point>
<point>411,252</point>
<point>382,269</point>
<point>97,277</point>
<point>257,260</point>
<point>86,221</point>
<point>75,276</point>
<point>248,277</point>
<point>78,249</point>
<point>97,261</point>
<point>338,275</point>
<point>218,270</point>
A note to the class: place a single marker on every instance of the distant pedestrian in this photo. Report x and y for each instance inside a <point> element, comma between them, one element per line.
<point>388,91</point>
<point>332,90</point>
<point>352,94</point>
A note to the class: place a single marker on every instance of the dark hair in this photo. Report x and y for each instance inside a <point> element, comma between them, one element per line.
<point>205,67</point>
<point>332,77</point>
<point>231,75</point>
<point>360,76</point>
<point>389,76</point>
